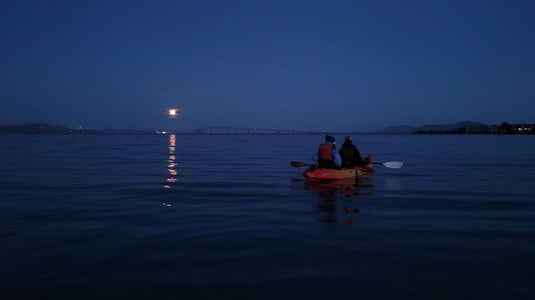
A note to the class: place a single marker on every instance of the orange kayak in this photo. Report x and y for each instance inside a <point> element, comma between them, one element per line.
<point>314,173</point>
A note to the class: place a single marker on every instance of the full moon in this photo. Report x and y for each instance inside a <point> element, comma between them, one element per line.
<point>172,112</point>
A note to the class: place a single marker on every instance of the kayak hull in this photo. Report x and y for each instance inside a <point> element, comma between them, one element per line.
<point>314,173</point>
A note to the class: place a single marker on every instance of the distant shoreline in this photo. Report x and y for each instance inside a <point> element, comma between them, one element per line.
<point>47,129</point>
<point>458,128</point>
<point>466,127</point>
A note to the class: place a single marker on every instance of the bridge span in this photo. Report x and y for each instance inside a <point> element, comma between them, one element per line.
<point>249,130</point>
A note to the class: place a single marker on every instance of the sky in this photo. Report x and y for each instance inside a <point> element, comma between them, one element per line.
<point>304,65</point>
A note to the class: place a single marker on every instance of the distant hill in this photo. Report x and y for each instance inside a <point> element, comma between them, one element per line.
<point>449,127</point>
<point>35,129</point>
<point>57,129</point>
<point>433,127</point>
<point>399,129</point>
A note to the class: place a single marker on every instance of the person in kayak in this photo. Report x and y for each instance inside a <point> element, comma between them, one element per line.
<point>351,156</point>
<point>327,156</point>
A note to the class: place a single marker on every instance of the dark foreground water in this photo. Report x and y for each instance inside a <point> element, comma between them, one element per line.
<point>227,217</point>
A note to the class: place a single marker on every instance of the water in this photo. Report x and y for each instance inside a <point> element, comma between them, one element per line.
<point>227,217</point>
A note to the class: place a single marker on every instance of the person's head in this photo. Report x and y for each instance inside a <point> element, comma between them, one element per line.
<point>330,139</point>
<point>348,140</point>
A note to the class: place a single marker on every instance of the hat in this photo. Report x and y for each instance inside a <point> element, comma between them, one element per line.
<point>329,138</point>
<point>348,139</point>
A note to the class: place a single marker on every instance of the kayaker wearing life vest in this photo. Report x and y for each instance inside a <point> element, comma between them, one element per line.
<point>327,156</point>
<point>351,156</point>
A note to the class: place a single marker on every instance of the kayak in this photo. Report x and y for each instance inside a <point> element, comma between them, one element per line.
<point>314,173</point>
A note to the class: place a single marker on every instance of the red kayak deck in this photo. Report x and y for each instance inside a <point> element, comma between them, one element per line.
<point>315,173</point>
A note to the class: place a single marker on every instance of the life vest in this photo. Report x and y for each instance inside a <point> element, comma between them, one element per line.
<point>347,153</point>
<point>326,152</point>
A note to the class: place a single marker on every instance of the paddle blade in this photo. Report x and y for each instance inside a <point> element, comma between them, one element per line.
<point>393,164</point>
<point>297,164</point>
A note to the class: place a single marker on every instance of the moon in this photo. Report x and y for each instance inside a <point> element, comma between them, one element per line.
<point>173,112</point>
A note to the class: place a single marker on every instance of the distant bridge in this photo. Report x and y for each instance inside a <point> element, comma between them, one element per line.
<point>246,130</point>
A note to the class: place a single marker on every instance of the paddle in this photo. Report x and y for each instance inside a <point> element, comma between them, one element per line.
<point>298,164</point>
<point>389,164</point>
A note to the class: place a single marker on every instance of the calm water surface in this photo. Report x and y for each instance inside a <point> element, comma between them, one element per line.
<point>227,217</point>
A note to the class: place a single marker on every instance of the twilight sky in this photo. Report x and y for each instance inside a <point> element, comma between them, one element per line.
<point>316,65</point>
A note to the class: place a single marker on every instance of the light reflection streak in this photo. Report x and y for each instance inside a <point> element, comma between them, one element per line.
<point>171,167</point>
